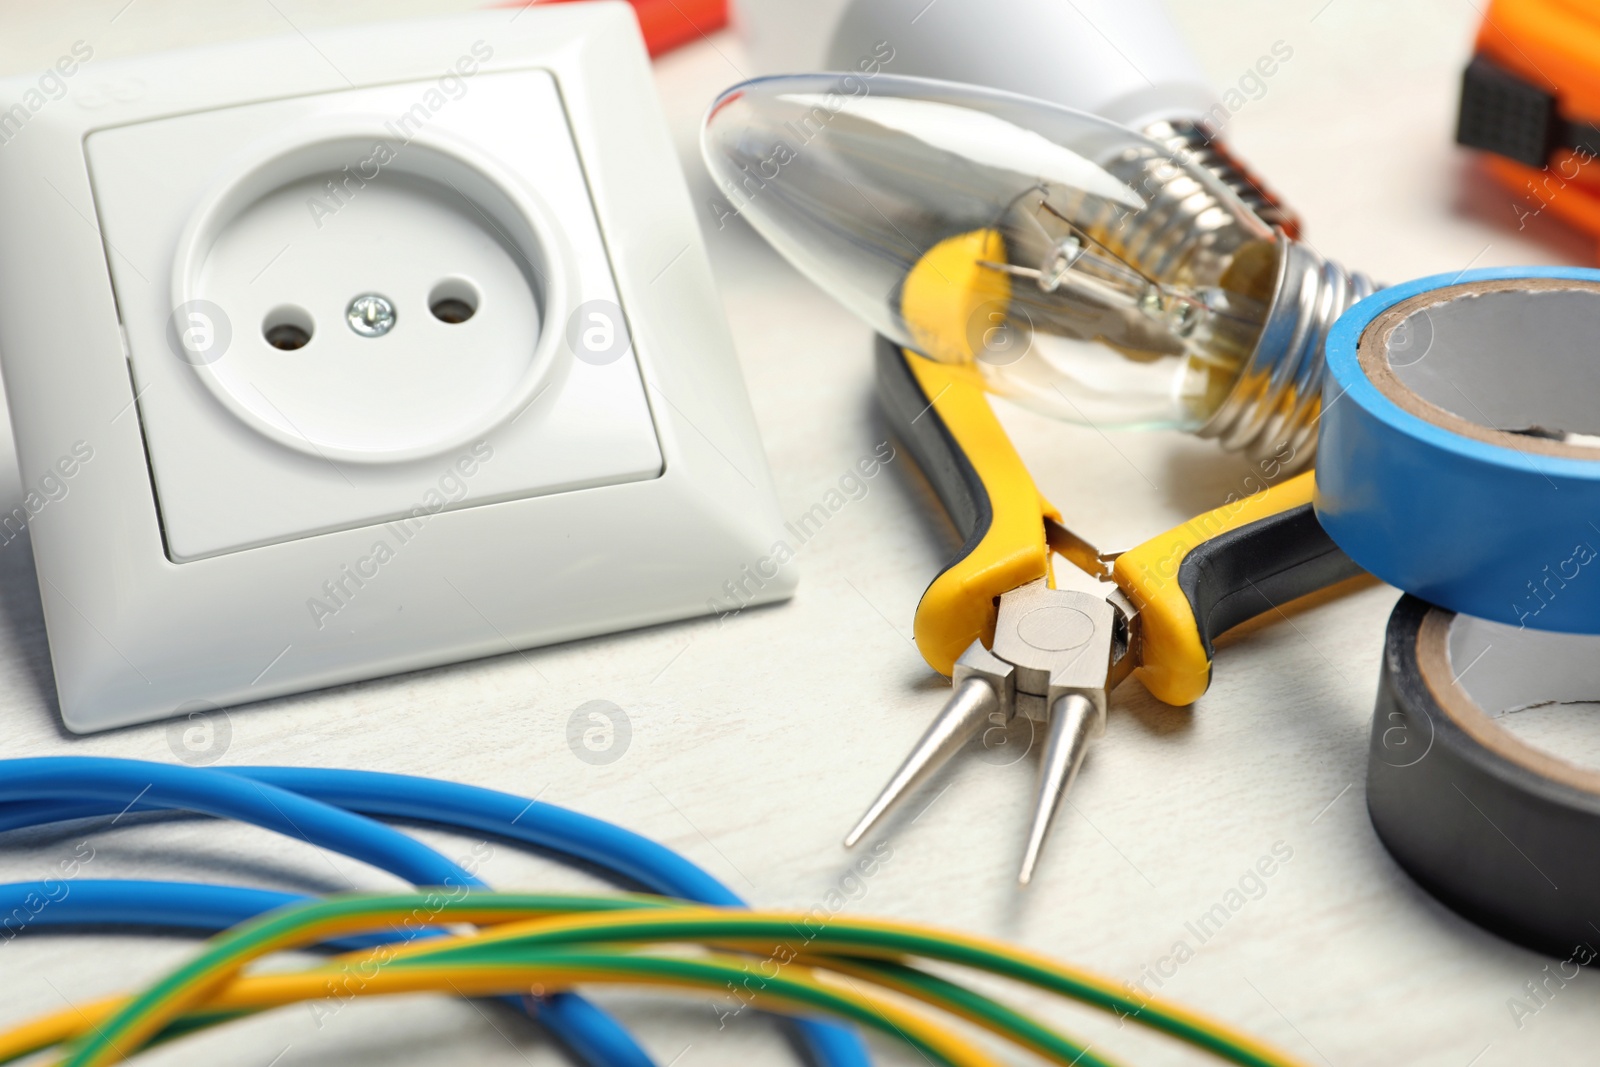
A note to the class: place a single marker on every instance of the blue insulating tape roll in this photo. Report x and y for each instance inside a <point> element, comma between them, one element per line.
<point>1475,527</point>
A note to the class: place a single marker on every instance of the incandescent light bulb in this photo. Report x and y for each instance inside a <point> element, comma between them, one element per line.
<point>1083,269</point>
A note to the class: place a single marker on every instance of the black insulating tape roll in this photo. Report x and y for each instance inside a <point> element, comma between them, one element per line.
<point>1504,833</point>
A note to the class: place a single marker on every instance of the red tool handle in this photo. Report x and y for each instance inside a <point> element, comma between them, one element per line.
<point>666,24</point>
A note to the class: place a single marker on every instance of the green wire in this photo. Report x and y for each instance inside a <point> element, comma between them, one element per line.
<point>933,990</point>
<point>233,949</point>
<point>959,1000</point>
<point>698,928</point>
<point>939,992</point>
<point>715,974</point>
<point>936,991</point>
<point>683,971</point>
<point>238,945</point>
<point>183,1026</point>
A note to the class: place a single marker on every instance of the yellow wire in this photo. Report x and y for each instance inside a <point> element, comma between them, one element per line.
<point>609,922</point>
<point>203,987</point>
<point>261,992</point>
<point>850,971</point>
<point>478,980</point>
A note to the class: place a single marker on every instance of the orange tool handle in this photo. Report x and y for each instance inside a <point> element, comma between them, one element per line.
<point>666,24</point>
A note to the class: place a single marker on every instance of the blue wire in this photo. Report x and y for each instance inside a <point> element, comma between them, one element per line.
<point>194,906</point>
<point>595,1037</point>
<point>208,792</point>
<point>621,852</point>
<point>617,852</point>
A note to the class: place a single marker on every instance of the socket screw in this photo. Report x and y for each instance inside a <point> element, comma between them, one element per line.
<point>370,315</point>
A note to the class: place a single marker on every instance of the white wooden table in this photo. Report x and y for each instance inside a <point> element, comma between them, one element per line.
<point>756,742</point>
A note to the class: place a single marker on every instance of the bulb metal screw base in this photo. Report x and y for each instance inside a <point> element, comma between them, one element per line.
<point>1272,409</point>
<point>1195,143</point>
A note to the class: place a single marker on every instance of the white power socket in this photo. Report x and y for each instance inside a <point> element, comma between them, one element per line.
<point>255,443</point>
<point>386,350</point>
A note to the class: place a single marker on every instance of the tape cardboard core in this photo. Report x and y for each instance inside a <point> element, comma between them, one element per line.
<point>1477,670</point>
<point>1511,362</point>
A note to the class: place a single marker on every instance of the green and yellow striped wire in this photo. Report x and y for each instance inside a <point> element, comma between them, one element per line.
<point>859,970</point>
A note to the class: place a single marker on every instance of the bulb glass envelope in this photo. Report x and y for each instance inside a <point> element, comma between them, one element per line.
<point>1082,268</point>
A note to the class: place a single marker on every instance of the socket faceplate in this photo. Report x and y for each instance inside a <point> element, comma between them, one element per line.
<point>317,201</point>
<point>282,516</point>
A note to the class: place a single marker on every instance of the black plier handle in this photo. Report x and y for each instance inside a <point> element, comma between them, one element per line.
<point>1188,585</point>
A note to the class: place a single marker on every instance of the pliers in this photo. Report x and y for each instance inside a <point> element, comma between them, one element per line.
<point>1013,644</point>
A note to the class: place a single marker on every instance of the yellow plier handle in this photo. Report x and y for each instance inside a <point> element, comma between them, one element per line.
<point>1189,584</point>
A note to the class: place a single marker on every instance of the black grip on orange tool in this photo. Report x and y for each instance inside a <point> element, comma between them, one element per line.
<point>1510,116</point>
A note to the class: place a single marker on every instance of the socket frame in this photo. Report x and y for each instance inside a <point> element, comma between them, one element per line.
<point>137,636</point>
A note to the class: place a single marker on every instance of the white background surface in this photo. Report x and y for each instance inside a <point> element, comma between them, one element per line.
<point>756,742</point>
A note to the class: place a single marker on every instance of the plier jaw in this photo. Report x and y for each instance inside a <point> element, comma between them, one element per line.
<point>1058,642</point>
<point>1056,655</point>
<point>1010,642</point>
